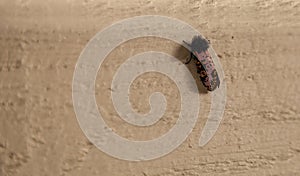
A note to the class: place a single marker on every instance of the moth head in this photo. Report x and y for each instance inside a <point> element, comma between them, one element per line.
<point>199,44</point>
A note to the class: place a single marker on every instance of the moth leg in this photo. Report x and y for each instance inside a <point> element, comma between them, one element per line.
<point>189,59</point>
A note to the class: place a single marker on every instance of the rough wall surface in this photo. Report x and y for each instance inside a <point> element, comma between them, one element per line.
<point>258,43</point>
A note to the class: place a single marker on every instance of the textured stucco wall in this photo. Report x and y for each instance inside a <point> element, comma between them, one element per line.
<point>258,43</point>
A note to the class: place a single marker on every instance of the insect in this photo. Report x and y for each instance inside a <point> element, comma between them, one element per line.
<point>204,63</point>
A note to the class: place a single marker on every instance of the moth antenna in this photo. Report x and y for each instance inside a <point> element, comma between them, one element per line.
<point>189,45</point>
<point>186,43</point>
<point>187,59</point>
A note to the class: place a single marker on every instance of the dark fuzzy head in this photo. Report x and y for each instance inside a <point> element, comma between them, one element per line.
<point>199,44</point>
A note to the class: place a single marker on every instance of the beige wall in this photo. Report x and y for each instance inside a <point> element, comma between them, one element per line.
<point>258,42</point>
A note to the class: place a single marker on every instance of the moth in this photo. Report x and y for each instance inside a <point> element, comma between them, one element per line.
<point>204,62</point>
